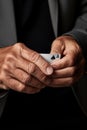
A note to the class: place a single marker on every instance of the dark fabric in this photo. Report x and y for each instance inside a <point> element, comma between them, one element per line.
<point>34,25</point>
<point>46,109</point>
<point>35,30</point>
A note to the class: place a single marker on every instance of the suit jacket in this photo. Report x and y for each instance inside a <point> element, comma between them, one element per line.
<point>66,20</point>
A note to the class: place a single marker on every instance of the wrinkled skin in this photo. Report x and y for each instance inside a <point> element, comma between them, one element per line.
<point>24,70</point>
<point>70,68</point>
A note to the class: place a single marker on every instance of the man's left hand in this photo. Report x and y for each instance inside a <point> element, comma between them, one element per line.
<point>70,68</point>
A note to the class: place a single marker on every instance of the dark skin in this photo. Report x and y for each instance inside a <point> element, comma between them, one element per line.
<point>24,70</point>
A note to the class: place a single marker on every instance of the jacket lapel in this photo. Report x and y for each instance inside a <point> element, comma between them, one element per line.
<point>53,7</point>
<point>63,21</point>
<point>7,23</point>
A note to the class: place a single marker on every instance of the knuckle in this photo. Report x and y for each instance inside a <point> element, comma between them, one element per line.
<point>18,45</point>
<point>35,56</point>
<point>28,80</point>
<point>8,63</point>
<point>31,68</point>
<point>54,42</point>
<point>8,57</point>
<point>4,67</point>
<point>21,87</point>
<point>18,48</point>
<point>45,80</point>
<point>5,70</point>
<point>40,85</point>
<point>24,78</point>
<point>58,41</point>
<point>44,65</point>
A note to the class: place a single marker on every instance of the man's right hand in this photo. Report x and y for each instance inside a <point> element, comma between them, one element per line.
<point>23,69</point>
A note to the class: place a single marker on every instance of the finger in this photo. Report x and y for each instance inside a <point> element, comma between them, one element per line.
<point>62,82</point>
<point>27,79</point>
<point>64,73</point>
<point>38,60</point>
<point>57,47</point>
<point>67,81</point>
<point>33,70</point>
<point>66,61</point>
<point>30,90</point>
<point>20,87</point>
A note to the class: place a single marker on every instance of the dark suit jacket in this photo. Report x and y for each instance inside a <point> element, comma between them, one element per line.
<point>67,16</point>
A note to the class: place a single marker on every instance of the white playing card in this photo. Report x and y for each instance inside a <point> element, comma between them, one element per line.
<point>50,57</point>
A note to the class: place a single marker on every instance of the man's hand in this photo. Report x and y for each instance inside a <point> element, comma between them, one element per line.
<point>23,69</point>
<point>70,67</point>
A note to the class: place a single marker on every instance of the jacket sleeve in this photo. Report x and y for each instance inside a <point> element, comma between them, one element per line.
<point>79,31</point>
<point>7,35</point>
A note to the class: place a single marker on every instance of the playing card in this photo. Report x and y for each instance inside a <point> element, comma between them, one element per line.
<point>50,57</point>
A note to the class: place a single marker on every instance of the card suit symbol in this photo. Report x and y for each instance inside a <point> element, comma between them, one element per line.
<point>53,57</point>
<point>57,56</point>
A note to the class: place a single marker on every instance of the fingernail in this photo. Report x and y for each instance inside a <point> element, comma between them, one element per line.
<point>49,70</point>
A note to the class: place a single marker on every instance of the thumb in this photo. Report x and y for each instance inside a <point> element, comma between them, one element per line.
<point>57,47</point>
